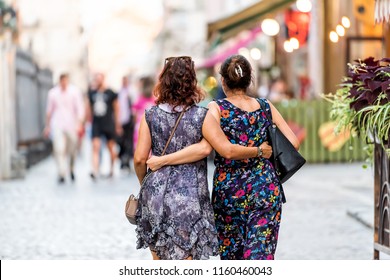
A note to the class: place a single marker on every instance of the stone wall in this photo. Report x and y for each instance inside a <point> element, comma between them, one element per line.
<point>23,92</point>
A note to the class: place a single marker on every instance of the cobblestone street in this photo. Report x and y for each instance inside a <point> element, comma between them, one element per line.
<point>85,220</point>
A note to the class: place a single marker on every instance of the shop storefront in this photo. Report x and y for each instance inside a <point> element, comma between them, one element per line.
<point>279,51</point>
<point>306,44</point>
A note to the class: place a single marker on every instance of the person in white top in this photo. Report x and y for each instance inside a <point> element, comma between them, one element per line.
<point>125,141</point>
<point>65,115</point>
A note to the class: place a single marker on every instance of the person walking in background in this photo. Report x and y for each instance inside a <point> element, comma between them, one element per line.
<point>125,141</point>
<point>103,110</point>
<point>247,198</point>
<point>278,91</point>
<point>65,115</point>
<point>145,101</point>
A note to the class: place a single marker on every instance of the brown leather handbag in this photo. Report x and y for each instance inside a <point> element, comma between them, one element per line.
<point>132,202</point>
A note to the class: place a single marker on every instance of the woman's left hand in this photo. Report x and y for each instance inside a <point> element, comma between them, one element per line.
<point>267,150</point>
<point>155,163</point>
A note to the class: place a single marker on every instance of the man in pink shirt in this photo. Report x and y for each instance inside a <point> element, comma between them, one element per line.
<point>64,123</point>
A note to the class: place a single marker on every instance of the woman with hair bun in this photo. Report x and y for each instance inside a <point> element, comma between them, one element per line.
<point>247,198</point>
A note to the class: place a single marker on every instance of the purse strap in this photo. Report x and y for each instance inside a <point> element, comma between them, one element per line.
<point>274,146</point>
<point>173,132</point>
<point>267,114</point>
<point>148,171</point>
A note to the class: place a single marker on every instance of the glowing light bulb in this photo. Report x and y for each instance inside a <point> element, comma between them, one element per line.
<point>340,30</point>
<point>270,27</point>
<point>294,43</point>
<point>255,54</point>
<point>333,37</point>
<point>287,46</point>
<point>346,22</point>
<point>244,52</point>
<point>304,6</point>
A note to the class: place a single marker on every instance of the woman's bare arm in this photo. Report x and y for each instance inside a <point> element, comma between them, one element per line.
<point>216,137</point>
<point>283,126</point>
<point>142,150</point>
<point>189,154</point>
<point>213,135</point>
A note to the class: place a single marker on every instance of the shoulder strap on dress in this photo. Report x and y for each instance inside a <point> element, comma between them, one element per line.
<point>263,106</point>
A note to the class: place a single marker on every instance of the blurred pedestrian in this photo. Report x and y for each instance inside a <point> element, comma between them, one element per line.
<point>278,91</point>
<point>103,110</point>
<point>65,115</point>
<point>125,141</point>
<point>247,197</point>
<point>145,101</point>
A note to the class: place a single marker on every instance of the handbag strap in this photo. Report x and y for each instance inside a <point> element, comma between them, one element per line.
<point>173,132</point>
<point>267,114</point>
<point>274,146</point>
<point>148,171</point>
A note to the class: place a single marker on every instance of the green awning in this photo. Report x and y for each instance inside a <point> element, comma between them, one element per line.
<point>225,28</point>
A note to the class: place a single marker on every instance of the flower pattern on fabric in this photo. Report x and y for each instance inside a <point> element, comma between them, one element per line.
<point>175,216</point>
<point>246,196</point>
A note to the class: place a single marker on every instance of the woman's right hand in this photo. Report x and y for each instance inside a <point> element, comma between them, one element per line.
<point>155,163</point>
<point>267,150</point>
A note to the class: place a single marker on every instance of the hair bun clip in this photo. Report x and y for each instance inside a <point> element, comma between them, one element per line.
<point>238,71</point>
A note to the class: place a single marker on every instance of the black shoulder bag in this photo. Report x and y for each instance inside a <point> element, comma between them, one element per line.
<point>286,159</point>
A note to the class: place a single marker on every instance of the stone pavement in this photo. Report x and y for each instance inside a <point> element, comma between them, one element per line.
<point>85,220</point>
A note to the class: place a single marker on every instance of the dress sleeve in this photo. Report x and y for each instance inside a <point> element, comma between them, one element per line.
<point>148,116</point>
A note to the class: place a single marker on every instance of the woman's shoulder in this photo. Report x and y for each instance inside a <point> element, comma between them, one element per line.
<point>151,109</point>
<point>198,110</point>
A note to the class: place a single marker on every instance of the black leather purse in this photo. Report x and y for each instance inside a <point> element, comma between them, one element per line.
<point>286,159</point>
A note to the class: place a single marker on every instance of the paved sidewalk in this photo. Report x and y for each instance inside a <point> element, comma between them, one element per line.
<point>85,220</point>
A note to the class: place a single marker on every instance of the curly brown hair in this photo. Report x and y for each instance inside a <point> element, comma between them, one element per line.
<point>177,84</point>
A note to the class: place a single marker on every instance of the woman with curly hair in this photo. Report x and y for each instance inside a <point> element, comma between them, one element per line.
<point>175,218</point>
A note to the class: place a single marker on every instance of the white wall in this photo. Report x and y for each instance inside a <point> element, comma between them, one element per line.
<point>52,31</point>
<point>84,36</point>
<point>7,106</point>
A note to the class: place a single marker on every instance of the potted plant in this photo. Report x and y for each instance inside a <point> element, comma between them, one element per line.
<point>361,104</point>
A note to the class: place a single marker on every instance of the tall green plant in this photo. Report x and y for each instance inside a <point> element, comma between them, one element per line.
<point>362,102</point>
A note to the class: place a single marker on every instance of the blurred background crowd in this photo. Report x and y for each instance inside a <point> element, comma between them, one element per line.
<point>107,55</point>
<point>298,48</point>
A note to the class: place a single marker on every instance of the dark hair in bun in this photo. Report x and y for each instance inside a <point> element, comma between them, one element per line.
<point>237,72</point>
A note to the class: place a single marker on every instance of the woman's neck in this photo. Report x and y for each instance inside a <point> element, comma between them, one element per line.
<point>236,94</point>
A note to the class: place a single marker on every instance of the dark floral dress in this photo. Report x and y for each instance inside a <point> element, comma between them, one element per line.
<point>246,193</point>
<point>175,216</point>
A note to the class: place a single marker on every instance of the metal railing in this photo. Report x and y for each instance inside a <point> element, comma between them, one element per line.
<point>31,87</point>
<point>382,202</point>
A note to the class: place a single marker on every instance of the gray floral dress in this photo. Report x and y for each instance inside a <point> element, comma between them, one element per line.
<point>175,217</point>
